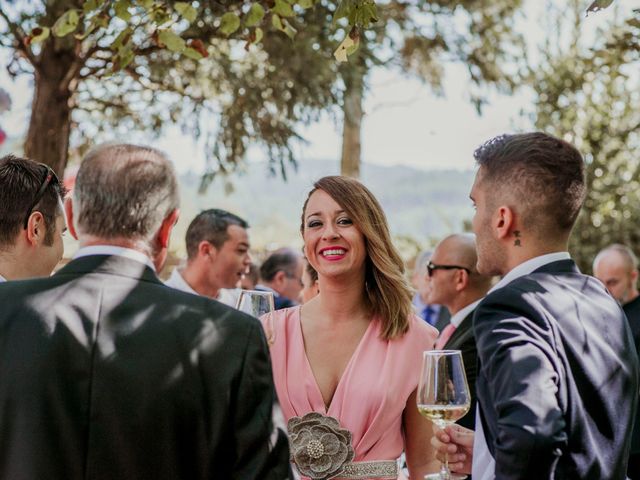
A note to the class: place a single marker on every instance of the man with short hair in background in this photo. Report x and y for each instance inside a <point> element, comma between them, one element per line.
<point>281,273</point>
<point>31,219</point>
<point>456,284</point>
<point>617,267</point>
<point>106,373</point>
<point>217,256</point>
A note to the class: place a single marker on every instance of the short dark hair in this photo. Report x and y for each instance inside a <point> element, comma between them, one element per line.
<point>211,226</point>
<point>20,181</point>
<point>281,260</point>
<point>544,175</point>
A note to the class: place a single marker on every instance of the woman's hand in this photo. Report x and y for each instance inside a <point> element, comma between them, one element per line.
<point>457,442</point>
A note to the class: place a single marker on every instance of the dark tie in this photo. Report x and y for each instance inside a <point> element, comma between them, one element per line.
<point>428,314</point>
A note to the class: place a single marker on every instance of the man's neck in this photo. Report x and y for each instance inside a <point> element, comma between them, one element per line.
<point>12,267</point>
<point>199,281</point>
<point>465,298</point>
<point>520,255</point>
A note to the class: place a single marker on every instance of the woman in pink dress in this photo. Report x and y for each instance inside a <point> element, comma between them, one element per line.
<point>346,363</point>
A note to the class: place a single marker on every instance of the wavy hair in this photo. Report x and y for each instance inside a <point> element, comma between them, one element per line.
<point>387,291</point>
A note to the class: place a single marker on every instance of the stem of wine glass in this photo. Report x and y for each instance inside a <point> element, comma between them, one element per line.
<point>445,473</point>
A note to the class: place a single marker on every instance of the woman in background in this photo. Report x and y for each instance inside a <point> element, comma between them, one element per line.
<point>309,283</point>
<point>346,363</point>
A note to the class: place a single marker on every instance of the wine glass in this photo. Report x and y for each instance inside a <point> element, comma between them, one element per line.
<point>443,396</point>
<point>258,303</point>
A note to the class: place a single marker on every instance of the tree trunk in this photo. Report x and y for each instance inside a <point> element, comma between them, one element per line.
<point>352,123</point>
<point>50,124</point>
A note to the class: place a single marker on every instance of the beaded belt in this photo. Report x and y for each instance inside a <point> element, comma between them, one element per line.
<point>321,450</point>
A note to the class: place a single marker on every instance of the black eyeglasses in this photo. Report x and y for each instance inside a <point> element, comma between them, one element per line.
<point>49,177</point>
<point>431,267</point>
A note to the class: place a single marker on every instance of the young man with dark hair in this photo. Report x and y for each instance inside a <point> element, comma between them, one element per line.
<point>217,256</point>
<point>31,219</point>
<point>558,373</point>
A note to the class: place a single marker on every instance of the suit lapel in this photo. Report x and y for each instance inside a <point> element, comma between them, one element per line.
<point>463,329</point>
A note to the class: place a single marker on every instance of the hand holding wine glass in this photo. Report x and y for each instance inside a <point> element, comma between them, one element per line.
<point>443,395</point>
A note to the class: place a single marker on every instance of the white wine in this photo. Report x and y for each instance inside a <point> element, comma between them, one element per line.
<point>443,414</point>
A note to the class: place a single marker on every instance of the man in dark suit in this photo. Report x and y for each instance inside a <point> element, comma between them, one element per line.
<point>456,284</point>
<point>616,266</point>
<point>106,373</point>
<point>558,372</point>
<point>281,274</point>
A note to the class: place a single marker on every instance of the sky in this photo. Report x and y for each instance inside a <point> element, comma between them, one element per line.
<point>404,124</point>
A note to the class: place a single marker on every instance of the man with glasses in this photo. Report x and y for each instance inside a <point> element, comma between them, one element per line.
<point>31,219</point>
<point>281,273</point>
<point>434,314</point>
<point>456,284</point>
<point>217,256</point>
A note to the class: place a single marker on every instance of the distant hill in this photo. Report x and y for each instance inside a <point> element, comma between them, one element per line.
<point>421,206</point>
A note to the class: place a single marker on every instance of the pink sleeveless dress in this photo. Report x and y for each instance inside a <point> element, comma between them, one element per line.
<point>371,395</point>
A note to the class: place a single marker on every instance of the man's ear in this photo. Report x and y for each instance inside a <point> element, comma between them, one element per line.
<point>462,280</point>
<point>36,228</point>
<point>279,278</point>
<point>164,234</point>
<point>68,213</point>
<point>206,249</point>
<point>504,221</point>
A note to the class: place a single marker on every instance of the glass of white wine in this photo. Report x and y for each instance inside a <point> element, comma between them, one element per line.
<point>443,396</point>
<point>258,303</point>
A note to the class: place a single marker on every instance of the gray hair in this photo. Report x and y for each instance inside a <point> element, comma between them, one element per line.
<point>124,191</point>
<point>629,258</point>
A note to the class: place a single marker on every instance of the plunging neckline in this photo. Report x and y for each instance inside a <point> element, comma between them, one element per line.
<point>327,408</point>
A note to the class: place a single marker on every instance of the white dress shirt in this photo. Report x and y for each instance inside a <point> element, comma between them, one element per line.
<point>484,465</point>
<point>2,279</point>
<point>228,296</point>
<point>117,251</point>
<point>461,314</point>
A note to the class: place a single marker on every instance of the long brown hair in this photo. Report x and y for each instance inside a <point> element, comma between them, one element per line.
<point>386,290</point>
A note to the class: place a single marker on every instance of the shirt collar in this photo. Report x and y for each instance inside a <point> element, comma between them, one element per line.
<point>176,280</point>
<point>2,279</point>
<point>460,315</point>
<point>118,251</point>
<point>530,266</point>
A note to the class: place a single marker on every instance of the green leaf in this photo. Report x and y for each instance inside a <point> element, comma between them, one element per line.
<point>122,10</point>
<point>276,22</point>
<point>186,11</point>
<point>229,23</point>
<point>259,35</point>
<point>39,34</point>
<point>192,53</point>
<point>66,24</point>
<point>305,3</point>
<point>146,4</point>
<point>124,57</point>
<point>343,10</point>
<point>122,39</point>
<point>254,15</point>
<point>90,5</point>
<point>172,41</point>
<point>283,9</point>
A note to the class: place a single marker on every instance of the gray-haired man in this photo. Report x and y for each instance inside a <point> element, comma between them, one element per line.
<point>107,373</point>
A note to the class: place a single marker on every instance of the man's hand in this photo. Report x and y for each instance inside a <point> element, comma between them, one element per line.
<point>456,442</point>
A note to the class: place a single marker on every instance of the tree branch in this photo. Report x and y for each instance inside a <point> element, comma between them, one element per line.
<point>20,40</point>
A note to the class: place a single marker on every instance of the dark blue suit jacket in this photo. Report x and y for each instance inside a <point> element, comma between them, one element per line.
<point>558,377</point>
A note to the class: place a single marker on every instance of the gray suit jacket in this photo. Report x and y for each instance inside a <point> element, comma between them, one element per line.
<point>105,373</point>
